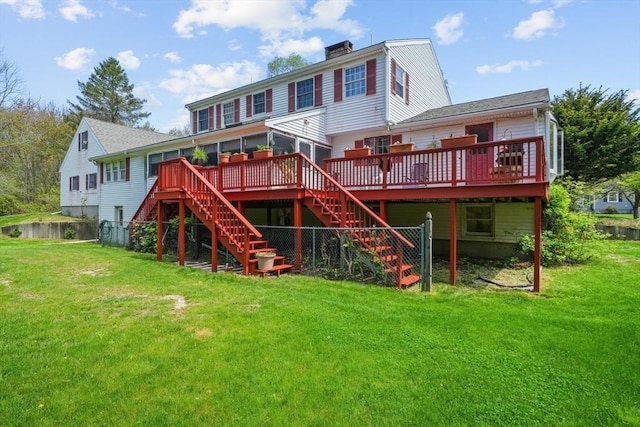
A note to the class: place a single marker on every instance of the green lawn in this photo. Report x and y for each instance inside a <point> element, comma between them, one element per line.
<point>34,217</point>
<point>93,335</point>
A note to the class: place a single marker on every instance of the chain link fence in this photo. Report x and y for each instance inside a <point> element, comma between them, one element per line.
<point>330,253</point>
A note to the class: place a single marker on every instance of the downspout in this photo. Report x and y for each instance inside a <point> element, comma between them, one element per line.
<point>387,84</point>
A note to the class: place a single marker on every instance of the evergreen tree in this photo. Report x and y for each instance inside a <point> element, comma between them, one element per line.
<point>601,132</point>
<point>108,96</point>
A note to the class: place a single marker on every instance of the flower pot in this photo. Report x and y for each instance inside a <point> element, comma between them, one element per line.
<point>239,157</point>
<point>459,141</point>
<point>262,154</point>
<point>357,152</point>
<point>398,148</point>
<point>265,260</point>
<point>224,158</point>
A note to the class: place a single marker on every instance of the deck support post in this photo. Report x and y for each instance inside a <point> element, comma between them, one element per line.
<point>453,241</point>
<point>159,231</point>
<point>537,245</point>
<point>181,233</point>
<point>297,223</point>
<point>214,238</point>
<point>383,210</point>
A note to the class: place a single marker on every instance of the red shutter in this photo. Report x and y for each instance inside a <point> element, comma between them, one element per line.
<point>393,77</point>
<point>371,77</point>
<point>194,122</point>
<point>127,163</point>
<point>358,143</point>
<point>292,97</point>
<point>317,86</point>
<point>337,85</point>
<point>269,100</point>
<point>218,116</point>
<point>101,173</point>
<point>70,183</point>
<point>396,139</point>
<point>406,89</point>
<point>236,110</point>
<point>211,117</point>
<point>249,106</point>
<point>86,182</point>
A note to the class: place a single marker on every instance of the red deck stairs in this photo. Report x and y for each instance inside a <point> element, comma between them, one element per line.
<point>179,181</point>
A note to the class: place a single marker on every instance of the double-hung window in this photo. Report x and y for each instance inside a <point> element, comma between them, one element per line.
<point>84,140</point>
<point>259,103</point>
<point>227,111</point>
<point>479,220</point>
<point>92,181</point>
<point>116,171</point>
<point>203,120</point>
<point>400,81</point>
<point>354,81</point>
<point>304,93</point>
<point>613,197</point>
<point>74,183</point>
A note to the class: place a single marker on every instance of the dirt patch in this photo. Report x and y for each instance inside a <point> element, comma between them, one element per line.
<point>179,302</point>
<point>203,333</point>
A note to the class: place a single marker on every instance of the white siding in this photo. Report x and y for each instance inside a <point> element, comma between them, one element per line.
<point>77,163</point>
<point>128,194</point>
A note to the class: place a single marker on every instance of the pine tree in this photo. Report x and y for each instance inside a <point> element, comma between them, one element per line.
<point>108,96</point>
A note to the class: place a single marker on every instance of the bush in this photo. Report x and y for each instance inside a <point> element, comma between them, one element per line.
<point>15,233</point>
<point>565,233</point>
<point>69,233</point>
<point>144,237</point>
<point>611,210</point>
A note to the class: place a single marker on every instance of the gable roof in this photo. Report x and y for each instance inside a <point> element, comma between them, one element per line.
<point>114,137</point>
<point>533,98</point>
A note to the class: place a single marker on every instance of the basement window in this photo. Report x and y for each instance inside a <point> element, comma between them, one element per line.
<point>479,220</point>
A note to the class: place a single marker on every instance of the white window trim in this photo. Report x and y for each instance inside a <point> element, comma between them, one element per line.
<point>313,94</point>
<point>613,200</point>
<point>206,127</point>
<point>224,113</point>
<point>264,103</point>
<point>363,79</point>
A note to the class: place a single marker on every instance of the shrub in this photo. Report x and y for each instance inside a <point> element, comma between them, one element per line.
<point>15,232</point>
<point>611,210</point>
<point>144,237</point>
<point>69,233</point>
<point>565,232</point>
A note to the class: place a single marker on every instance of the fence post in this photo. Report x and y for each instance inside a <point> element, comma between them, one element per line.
<point>427,276</point>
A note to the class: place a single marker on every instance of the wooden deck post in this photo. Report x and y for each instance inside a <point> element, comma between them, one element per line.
<point>214,238</point>
<point>537,246</point>
<point>383,210</point>
<point>453,241</point>
<point>159,231</point>
<point>181,233</point>
<point>297,223</point>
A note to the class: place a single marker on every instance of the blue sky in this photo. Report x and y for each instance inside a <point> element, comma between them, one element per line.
<point>177,51</point>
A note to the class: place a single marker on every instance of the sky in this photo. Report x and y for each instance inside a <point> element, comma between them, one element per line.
<point>178,51</point>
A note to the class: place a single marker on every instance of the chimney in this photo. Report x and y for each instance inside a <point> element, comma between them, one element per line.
<point>338,49</point>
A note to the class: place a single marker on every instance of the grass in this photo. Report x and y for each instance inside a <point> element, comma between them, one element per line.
<point>97,335</point>
<point>620,220</point>
<point>34,217</point>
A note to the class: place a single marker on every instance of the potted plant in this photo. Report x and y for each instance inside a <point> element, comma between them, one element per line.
<point>199,156</point>
<point>262,151</point>
<point>398,147</point>
<point>224,157</point>
<point>357,152</point>
<point>458,141</point>
<point>265,260</point>
<point>239,157</point>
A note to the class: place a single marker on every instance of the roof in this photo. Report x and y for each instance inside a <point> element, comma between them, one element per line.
<point>114,137</point>
<point>522,99</point>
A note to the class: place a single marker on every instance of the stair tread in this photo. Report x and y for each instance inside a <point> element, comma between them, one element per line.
<point>409,280</point>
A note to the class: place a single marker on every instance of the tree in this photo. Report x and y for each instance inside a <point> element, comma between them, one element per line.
<point>601,133</point>
<point>10,83</point>
<point>629,186</point>
<point>108,96</point>
<point>281,65</point>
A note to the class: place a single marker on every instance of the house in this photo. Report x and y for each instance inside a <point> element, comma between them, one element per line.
<point>610,200</point>
<point>482,193</point>
<point>80,177</point>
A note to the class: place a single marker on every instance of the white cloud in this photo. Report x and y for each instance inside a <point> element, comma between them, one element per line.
<point>508,67</point>
<point>72,9</point>
<point>173,57</point>
<point>114,4</point>
<point>128,60</point>
<point>634,96</point>
<point>280,23</point>
<point>144,91</point>
<point>449,29</point>
<point>287,47</point>
<point>537,25</point>
<point>203,80</point>
<point>561,3</point>
<point>26,8</point>
<point>75,59</point>
<point>234,45</point>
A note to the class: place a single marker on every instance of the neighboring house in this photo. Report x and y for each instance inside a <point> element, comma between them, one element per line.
<point>80,177</point>
<point>482,196</point>
<point>612,201</point>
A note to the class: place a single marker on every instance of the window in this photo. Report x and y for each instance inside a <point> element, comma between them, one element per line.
<point>354,81</point>
<point>74,183</point>
<point>118,216</point>
<point>613,197</point>
<point>378,144</point>
<point>227,111</point>
<point>479,220</point>
<point>304,93</point>
<point>203,120</point>
<point>116,171</point>
<point>259,103</point>
<point>154,159</point>
<point>92,181</point>
<point>84,140</point>
<point>400,81</point>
